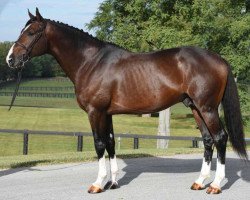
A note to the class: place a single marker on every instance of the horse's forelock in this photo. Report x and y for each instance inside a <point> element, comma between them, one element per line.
<point>30,21</point>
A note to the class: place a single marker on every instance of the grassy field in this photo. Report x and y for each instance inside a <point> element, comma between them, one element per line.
<point>62,114</point>
<point>53,82</point>
<point>56,119</point>
<point>41,102</point>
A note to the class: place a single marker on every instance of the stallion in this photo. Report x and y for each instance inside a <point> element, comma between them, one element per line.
<point>110,80</point>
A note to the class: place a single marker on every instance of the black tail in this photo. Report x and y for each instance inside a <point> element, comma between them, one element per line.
<point>233,117</point>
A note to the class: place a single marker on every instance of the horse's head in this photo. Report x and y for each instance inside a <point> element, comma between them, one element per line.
<point>31,42</point>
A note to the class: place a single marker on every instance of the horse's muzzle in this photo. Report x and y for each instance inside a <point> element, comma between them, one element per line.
<point>18,63</point>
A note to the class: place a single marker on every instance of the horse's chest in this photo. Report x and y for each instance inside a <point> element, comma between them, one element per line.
<point>93,97</point>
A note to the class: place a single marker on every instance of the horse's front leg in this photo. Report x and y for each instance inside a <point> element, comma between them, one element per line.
<point>98,122</point>
<point>110,147</point>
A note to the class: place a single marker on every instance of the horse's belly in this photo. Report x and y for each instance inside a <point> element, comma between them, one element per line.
<point>148,102</point>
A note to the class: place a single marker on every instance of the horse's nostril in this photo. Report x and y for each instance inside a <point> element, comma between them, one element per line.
<point>10,60</point>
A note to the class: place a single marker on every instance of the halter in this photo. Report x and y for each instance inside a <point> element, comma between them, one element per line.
<point>26,57</point>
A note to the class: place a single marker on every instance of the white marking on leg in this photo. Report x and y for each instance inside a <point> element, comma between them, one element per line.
<point>205,172</point>
<point>9,53</point>
<point>114,169</point>
<point>219,174</point>
<point>102,173</point>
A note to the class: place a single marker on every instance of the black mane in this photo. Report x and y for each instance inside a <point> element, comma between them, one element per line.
<point>73,29</point>
<point>80,32</point>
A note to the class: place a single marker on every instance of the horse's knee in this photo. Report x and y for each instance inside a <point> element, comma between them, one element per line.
<point>110,146</point>
<point>111,142</point>
<point>208,141</point>
<point>100,147</point>
<point>208,145</point>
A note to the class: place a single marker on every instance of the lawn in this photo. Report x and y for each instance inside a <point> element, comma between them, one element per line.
<point>50,82</point>
<point>62,114</point>
<point>42,102</point>
<point>66,119</point>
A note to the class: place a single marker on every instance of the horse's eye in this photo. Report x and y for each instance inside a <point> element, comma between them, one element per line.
<point>30,33</point>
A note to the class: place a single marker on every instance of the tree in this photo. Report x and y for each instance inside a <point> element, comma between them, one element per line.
<point>5,72</point>
<point>217,25</point>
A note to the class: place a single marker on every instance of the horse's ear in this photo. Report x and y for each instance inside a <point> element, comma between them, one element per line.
<point>31,15</point>
<point>38,15</point>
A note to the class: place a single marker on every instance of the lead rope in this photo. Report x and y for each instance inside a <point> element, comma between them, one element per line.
<point>19,76</point>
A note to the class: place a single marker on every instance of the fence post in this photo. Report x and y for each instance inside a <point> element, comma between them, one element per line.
<point>195,143</point>
<point>79,142</point>
<point>25,142</point>
<point>136,143</point>
<point>119,143</point>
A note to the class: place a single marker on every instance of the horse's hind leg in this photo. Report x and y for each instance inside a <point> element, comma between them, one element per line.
<point>208,151</point>
<point>219,135</point>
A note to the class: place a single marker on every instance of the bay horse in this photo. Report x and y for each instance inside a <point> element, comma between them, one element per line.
<point>110,80</point>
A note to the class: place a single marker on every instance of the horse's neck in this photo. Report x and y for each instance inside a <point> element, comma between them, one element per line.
<point>70,52</point>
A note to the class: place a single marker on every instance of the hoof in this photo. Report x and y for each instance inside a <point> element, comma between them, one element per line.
<point>197,186</point>
<point>213,190</point>
<point>110,185</point>
<point>94,189</point>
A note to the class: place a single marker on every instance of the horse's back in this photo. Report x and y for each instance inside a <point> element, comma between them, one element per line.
<point>125,82</point>
<point>146,82</point>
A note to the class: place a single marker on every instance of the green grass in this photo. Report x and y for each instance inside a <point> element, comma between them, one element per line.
<point>75,120</point>
<point>55,119</point>
<point>64,119</point>
<point>39,91</point>
<point>62,114</point>
<point>40,102</point>
<point>53,82</point>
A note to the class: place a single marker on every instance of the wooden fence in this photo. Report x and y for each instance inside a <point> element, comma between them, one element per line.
<point>40,94</point>
<point>31,88</point>
<point>80,135</point>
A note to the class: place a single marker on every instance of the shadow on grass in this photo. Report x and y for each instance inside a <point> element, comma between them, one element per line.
<point>235,168</point>
<point>134,155</point>
<point>29,163</point>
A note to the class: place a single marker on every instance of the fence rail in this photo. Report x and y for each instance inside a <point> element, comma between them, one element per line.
<point>80,136</point>
<point>40,94</point>
<point>30,88</point>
